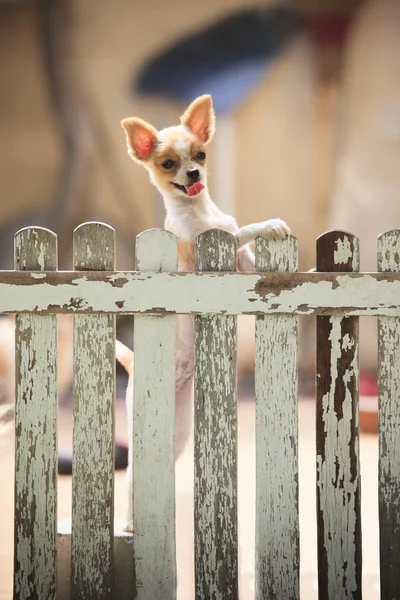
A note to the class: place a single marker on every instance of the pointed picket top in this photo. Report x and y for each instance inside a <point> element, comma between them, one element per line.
<point>338,251</point>
<point>166,257</point>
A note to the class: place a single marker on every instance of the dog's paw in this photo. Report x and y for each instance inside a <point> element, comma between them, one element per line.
<point>275,229</point>
<point>128,527</point>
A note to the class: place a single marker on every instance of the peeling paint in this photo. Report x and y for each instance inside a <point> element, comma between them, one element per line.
<point>343,252</point>
<point>93,434</point>
<point>336,484</point>
<point>36,452</point>
<point>234,293</point>
<point>152,410</point>
<point>216,543</point>
<point>277,520</point>
<point>389,428</point>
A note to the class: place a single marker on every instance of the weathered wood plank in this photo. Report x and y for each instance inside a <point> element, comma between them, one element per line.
<point>352,294</point>
<point>277,519</point>
<point>35,431</point>
<point>389,428</point>
<point>215,435</point>
<point>153,423</point>
<point>338,470</point>
<point>93,436</point>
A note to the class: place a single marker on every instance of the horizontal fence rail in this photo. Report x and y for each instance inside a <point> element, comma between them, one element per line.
<point>350,294</point>
<point>36,292</point>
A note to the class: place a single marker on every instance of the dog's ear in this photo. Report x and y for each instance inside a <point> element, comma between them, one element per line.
<point>141,138</point>
<point>200,118</point>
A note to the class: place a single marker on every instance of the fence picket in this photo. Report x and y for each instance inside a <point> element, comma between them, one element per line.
<point>277,521</point>
<point>389,427</point>
<point>338,470</point>
<point>35,431</point>
<point>93,437</point>
<point>215,495</point>
<point>153,423</point>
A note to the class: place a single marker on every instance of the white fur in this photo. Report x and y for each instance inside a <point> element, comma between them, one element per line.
<point>187,217</point>
<point>182,147</point>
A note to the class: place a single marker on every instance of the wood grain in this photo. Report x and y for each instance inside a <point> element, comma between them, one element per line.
<point>35,431</point>
<point>153,423</point>
<point>215,435</point>
<point>339,294</point>
<point>338,469</point>
<point>277,518</point>
<point>93,435</point>
<point>389,428</point>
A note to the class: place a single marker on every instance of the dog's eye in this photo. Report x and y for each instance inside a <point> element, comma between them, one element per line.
<point>201,155</point>
<point>168,164</point>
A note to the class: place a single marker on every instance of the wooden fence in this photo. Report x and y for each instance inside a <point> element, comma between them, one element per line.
<point>106,566</point>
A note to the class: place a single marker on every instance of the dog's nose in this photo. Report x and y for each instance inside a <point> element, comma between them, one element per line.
<point>193,175</point>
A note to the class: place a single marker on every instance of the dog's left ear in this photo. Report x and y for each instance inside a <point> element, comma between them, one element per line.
<point>199,117</point>
<point>141,138</point>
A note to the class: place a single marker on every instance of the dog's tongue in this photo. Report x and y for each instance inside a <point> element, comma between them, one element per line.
<point>195,189</point>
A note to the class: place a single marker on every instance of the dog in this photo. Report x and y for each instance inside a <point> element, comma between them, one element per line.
<point>176,161</point>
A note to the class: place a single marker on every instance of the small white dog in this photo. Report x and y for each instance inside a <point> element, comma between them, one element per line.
<point>175,158</point>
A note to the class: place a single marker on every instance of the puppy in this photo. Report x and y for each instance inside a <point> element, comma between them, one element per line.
<point>176,160</point>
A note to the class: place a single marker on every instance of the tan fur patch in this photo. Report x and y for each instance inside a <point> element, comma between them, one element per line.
<point>195,149</point>
<point>185,255</point>
<point>185,252</point>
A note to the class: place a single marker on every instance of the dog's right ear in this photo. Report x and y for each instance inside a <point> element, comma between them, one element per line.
<point>141,138</point>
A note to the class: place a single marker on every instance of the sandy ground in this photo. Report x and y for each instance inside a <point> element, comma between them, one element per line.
<point>184,508</point>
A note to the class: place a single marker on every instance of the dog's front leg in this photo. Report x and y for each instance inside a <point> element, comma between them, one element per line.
<point>273,228</point>
<point>246,259</point>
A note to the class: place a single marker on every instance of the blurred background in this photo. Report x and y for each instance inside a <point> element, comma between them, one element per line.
<point>307,96</point>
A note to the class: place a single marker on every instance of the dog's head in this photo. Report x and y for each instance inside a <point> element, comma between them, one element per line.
<point>175,157</point>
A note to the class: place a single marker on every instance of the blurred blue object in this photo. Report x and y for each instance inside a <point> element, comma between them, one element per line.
<point>226,60</point>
